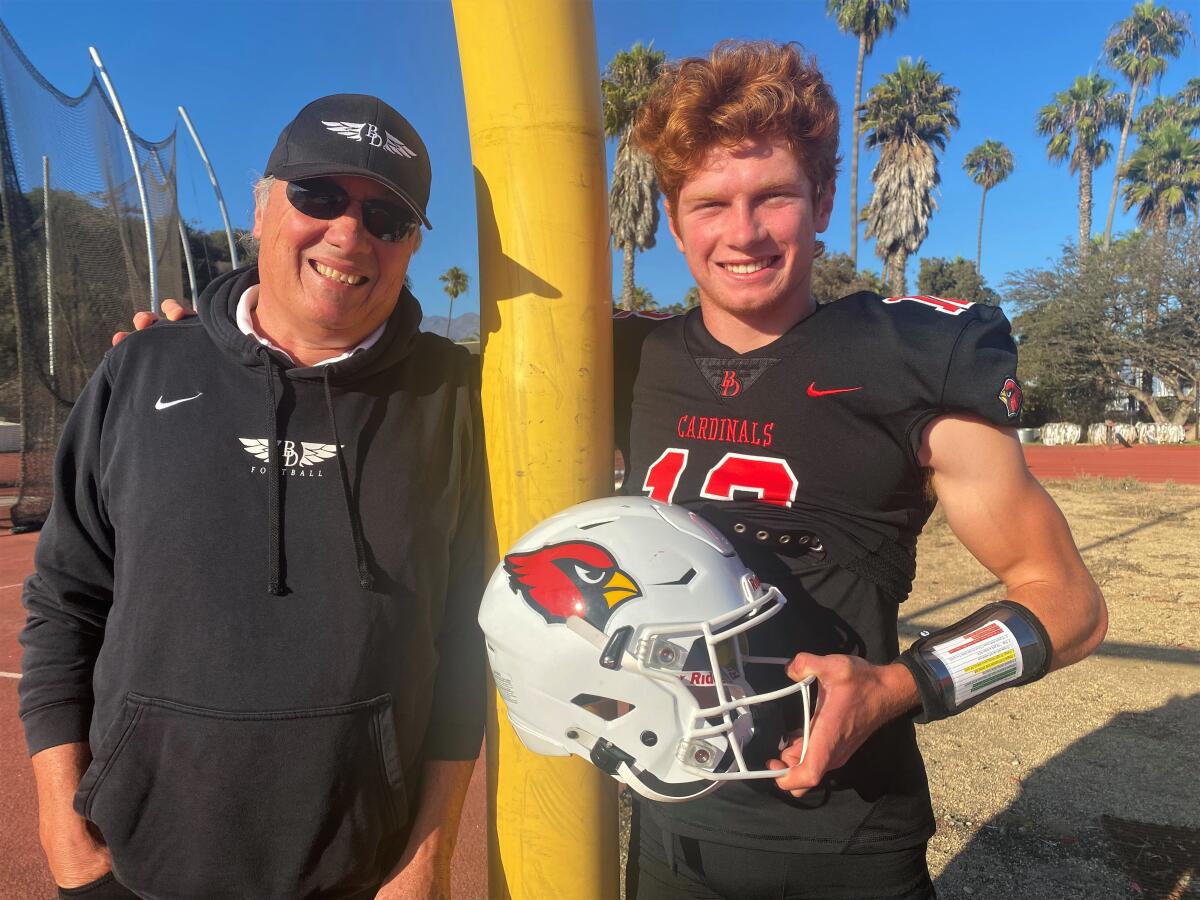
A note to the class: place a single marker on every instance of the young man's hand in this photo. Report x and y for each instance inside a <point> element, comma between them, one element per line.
<point>172,311</point>
<point>854,699</point>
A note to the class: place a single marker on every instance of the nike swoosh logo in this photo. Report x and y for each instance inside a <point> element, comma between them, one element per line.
<point>814,391</point>
<point>158,404</point>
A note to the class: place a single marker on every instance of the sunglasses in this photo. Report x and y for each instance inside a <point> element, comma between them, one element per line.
<point>320,198</point>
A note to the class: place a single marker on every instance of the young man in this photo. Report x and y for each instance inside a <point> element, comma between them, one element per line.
<point>288,703</point>
<point>811,435</point>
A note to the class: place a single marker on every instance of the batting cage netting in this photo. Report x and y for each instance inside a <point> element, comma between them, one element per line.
<point>74,261</point>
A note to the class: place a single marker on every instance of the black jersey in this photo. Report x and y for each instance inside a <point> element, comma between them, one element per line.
<point>805,453</point>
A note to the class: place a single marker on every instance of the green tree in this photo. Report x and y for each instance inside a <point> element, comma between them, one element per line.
<point>909,113</point>
<point>1075,123</point>
<point>1163,178</point>
<point>642,300</point>
<point>1138,47</point>
<point>210,253</point>
<point>956,278</point>
<point>834,277</point>
<point>633,195</point>
<point>454,282</point>
<point>1190,94</point>
<point>988,165</point>
<point>1163,110</point>
<point>690,300</point>
<point>868,20</point>
<point>1116,325</point>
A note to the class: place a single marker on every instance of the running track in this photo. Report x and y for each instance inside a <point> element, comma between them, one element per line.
<point>23,873</point>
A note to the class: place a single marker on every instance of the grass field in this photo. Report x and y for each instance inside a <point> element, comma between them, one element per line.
<point>1021,782</point>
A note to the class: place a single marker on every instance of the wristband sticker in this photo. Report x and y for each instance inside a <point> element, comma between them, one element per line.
<point>981,660</point>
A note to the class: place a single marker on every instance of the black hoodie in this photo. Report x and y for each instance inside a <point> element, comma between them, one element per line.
<point>261,662</point>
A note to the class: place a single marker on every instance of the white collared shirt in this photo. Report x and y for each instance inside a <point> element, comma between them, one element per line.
<point>245,324</point>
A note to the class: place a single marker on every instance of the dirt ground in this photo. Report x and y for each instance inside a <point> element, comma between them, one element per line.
<point>1020,783</point>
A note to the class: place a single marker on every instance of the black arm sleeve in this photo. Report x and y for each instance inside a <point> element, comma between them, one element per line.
<point>459,693</point>
<point>70,593</point>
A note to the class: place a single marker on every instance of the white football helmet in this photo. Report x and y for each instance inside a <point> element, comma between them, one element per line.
<point>616,631</point>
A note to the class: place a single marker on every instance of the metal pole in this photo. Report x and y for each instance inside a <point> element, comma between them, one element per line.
<point>212,177</point>
<point>187,250</point>
<point>187,257</point>
<point>137,174</point>
<point>49,268</point>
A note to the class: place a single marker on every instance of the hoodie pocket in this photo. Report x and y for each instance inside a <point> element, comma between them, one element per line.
<point>288,803</point>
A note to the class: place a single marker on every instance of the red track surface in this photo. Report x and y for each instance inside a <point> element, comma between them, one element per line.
<point>1145,463</point>
<point>23,872</point>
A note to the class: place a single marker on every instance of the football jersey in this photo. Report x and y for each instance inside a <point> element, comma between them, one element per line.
<point>804,452</point>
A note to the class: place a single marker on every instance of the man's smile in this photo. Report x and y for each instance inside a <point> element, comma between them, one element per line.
<point>749,267</point>
<point>338,275</point>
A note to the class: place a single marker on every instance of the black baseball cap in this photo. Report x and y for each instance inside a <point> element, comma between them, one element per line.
<point>355,134</point>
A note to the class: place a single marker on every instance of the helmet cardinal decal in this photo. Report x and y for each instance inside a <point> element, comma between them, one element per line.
<point>1010,395</point>
<point>576,578</point>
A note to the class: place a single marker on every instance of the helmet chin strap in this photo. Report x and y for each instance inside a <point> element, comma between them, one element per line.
<point>636,783</point>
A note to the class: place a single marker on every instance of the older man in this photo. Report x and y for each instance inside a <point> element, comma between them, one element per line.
<point>290,704</point>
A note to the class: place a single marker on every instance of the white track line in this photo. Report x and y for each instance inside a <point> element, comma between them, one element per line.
<point>10,675</point>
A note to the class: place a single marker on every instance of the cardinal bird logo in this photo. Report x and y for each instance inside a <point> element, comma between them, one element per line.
<point>1010,395</point>
<point>576,578</point>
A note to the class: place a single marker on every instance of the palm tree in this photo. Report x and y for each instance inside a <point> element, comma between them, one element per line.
<point>1190,94</point>
<point>909,113</point>
<point>1162,179</point>
<point>1162,110</point>
<point>454,282</point>
<point>869,20</point>
<point>633,196</point>
<point>1079,116</point>
<point>988,165</point>
<point>1138,48</point>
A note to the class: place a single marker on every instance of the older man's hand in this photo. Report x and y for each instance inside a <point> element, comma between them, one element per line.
<point>854,700</point>
<point>172,311</point>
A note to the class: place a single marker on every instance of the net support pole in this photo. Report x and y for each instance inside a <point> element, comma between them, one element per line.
<point>216,185</point>
<point>183,239</point>
<point>152,262</point>
<point>49,264</point>
<point>187,258</point>
<point>531,80</point>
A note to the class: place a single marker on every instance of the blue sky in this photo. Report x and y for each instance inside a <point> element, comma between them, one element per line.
<point>244,68</point>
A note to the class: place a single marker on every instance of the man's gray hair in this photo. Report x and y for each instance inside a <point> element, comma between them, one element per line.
<point>262,195</point>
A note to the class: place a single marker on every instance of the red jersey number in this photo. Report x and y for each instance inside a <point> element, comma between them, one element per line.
<point>941,304</point>
<point>771,479</point>
<point>664,473</point>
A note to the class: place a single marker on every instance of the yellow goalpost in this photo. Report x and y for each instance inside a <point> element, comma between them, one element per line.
<point>531,79</point>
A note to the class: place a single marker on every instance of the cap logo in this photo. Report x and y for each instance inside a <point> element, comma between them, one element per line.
<point>355,131</point>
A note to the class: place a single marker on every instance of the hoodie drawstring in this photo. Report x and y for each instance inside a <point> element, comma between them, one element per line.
<point>365,580</point>
<point>274,525</point>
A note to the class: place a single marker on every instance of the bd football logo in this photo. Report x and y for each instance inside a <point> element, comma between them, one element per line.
<point>575,578</point>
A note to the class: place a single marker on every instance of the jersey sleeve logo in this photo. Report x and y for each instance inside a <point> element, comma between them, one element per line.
<point>1011,396</point>
<point>941,304</point>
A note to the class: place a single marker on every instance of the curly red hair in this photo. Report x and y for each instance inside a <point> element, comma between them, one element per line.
<point>743,90</point>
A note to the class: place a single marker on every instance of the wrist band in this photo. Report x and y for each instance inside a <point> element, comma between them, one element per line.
<point>998,646</point>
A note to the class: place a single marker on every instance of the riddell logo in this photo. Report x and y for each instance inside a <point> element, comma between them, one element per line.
<point>302,460</point>
<point>701,679</point>
<point>730,386</point>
